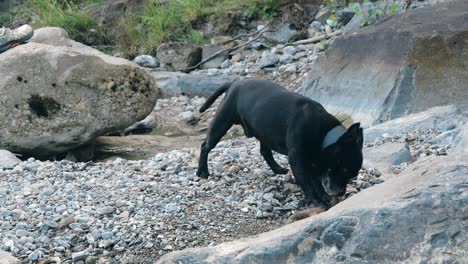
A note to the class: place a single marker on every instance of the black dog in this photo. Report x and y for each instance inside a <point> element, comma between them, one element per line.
<point>322,153</point>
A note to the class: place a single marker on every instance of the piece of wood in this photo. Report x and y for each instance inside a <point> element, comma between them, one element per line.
<point>244,35</point>
<point>317,38</point>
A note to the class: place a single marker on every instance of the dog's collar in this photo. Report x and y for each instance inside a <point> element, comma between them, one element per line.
<point>333,135</point>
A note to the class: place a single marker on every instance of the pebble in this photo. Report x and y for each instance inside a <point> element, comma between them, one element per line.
<point>234,169</point>
<point>35,255</point>
<point>67,221</point>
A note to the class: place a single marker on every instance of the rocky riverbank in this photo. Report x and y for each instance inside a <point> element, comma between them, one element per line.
<point>130,211</point>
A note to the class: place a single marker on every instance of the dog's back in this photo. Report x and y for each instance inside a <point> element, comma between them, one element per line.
<point>266,111</point>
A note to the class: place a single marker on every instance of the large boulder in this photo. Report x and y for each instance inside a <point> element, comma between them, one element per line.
<point>418,217</point>
<point>408,63</point>
<point>56,98</point>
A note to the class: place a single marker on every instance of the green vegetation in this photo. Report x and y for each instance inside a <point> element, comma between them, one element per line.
<point>369,15</point>
<point>158,21</point>
<point>178,19</point>
<point>71,16</point>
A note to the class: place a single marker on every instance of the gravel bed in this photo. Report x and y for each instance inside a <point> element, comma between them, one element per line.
<point>124,211</point>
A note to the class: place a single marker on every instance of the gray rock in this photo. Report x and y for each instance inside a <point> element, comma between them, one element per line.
<point>438,118</point>
<point>317,25</point>
<point>268,59</point>
<point>445,138</point>
<point>289,50</point>
<point>389,154</point>
<point>105,210</point>
<point>107,235</point>
<point>383,72</point>
<point>460,143</point>
<point>167,82</point>
<point>146,61</point>
<point>60,209</point>
<point>50,112</point>
<point>286,58</point>
<point>433,192</point>
<point>282,35</point>
<point>202,85</point>
<point>8,160</point>
<point>291,68</point>
<point>7,258</point>
<point>225,64</point>
<point>188,117</point>
<point>35,255</point>
<point>179,55</point>
<point>82,255</point>
<point>175,84</point>
<point>21,233</point>
<point>207,51</point>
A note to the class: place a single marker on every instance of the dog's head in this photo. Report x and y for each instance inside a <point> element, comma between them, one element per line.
<point>342,161</point>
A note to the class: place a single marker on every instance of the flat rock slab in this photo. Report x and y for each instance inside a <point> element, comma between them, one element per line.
<point>384,156</point>
<point>176,83</point>
<point>444,118</point>
<point>409,63</point>
<point>418,217</point>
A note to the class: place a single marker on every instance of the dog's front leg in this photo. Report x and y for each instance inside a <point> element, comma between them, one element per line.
<point>301,171</point>
<point>323,198</point>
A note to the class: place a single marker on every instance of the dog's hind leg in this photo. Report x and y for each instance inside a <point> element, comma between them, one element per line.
<point>268,156</point>
<point>222,121</point>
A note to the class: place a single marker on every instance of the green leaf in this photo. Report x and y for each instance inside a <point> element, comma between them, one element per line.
<point>379,12</point>
<point>362,22</point>
<point>370,12</point>
<point>394,8</point>
<point>365,1</point>
<point>334,23</point>
<point>354,6</point>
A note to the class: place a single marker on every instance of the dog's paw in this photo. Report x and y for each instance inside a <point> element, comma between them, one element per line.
<point>203,174</point>
<point>280,170</point>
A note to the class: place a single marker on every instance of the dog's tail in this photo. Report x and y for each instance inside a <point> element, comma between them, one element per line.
<point>214,96</point>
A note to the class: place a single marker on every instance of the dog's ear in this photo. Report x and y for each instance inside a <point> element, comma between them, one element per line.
<point>353,135</point>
